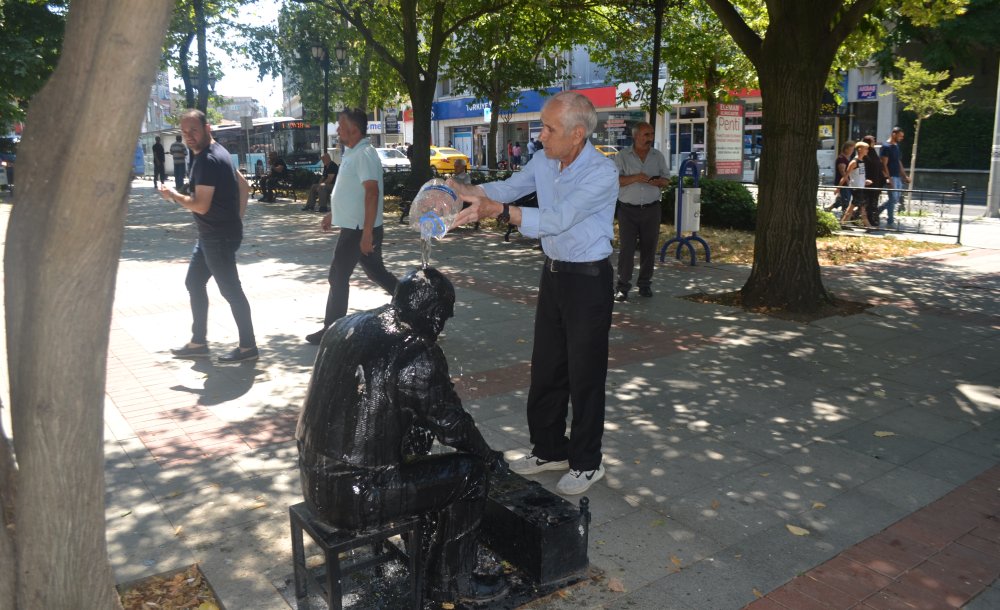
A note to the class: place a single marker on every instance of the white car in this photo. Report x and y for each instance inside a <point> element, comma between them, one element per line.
<point>393,160</point>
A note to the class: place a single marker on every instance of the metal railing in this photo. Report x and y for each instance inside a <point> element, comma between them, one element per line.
<point>939,213</point>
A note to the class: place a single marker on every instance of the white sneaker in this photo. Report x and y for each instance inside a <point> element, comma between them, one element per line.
<point>578,481</point>
<point>530,464</point>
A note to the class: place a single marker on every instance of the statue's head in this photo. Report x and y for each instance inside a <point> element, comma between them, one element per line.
<point>425,299</point>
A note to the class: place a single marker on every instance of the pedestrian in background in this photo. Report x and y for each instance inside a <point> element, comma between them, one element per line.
<point>159,163</point>
<point>356,207</point>
<point>218,200</point>
<point>322,189</point>
<point>892,161</point>
<point>842,195</point>
<point>641,175</point>
<point>875,173</point>
<point>576,188</point>
<point>179,153</point>
<point>855,177</point>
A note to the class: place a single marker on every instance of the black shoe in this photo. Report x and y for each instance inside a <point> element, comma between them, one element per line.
<point>308,208</point>
<point>645,291</point>
<point>483,590</point>
<point>323,210</point>
<point>190,351</point>
<point>486,589</point>
<point>621,295</point>
<point>316,337</point>
<point>240,355</point>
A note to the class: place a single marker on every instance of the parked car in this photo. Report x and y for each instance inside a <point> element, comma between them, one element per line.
<point>606,150</point>
<point>443,159</point>
<point>8,152</point>
<point>393,160</point>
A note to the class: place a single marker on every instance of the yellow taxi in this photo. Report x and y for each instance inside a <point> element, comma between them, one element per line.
<point>606,150</point>
<point>443,159</point>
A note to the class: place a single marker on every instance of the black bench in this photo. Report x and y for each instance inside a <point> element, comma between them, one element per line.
<point>334,542</point>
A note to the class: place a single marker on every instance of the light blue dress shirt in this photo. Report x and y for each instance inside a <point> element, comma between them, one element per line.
<point>576,206</point>
<point>347,201</point>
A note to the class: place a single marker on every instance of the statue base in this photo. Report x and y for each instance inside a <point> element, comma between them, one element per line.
<point>540,533</point>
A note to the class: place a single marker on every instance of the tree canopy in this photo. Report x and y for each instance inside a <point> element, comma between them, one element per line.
<point>31,36</point>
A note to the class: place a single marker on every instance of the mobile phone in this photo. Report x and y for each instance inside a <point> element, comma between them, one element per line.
<point>654,177</point>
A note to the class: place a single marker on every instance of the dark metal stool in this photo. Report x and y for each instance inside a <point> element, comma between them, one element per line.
<point>333,542</point>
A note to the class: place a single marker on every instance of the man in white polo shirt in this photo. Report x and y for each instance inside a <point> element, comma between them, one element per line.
<point>356,207</point>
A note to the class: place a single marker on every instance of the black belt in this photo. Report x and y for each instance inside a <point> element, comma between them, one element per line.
<point>639,206</point>
<point>592,268</point>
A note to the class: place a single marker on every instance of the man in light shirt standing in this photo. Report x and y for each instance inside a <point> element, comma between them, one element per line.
<point>356,205</point>
<point>642,171</point>
<point>576,188</point>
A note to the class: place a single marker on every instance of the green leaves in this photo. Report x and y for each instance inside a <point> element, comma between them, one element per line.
<point>31,34</point>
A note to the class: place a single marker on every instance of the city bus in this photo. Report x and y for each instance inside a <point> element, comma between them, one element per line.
<point>295,140</point>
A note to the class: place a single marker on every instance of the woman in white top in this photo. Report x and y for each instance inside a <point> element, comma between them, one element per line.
<point>854,176</point>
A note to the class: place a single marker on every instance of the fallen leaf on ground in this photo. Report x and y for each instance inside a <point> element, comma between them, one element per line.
<point>674,559</point>
<point>657,522</point>
<point>883,433</point>
<point>757,594</point>
<point>447,606</point>
<point>616,585</point>
<point>765,474</point>
<point>818,505</point>
<point>798,531</point>
<point>715,504</point>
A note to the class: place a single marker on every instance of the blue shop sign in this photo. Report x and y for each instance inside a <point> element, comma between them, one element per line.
<point>867,92</point>
<point>467,107</point>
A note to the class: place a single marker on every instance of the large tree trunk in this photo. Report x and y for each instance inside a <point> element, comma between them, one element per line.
<point>786,272</point>
<point>200,27</point>
<point>421,96</point>
<point>792,62</point>
<point>63,245</point>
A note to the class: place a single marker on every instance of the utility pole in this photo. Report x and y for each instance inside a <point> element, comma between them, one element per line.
<point>993,192</point>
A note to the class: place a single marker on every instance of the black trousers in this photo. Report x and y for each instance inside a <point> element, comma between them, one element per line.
<point>346,257</point>
<point>643,223</point>
<point>217,258</point>
<point>451,488</point>
<point>569,364</point>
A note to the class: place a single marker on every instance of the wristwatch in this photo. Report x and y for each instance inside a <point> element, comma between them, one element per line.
<point>504,216</point>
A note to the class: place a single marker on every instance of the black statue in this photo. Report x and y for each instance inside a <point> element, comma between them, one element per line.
<point>379,386</point>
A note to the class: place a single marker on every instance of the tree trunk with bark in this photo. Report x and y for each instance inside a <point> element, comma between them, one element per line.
<point>63,245</point>
<point>786,272</point>
<point>792,61</point>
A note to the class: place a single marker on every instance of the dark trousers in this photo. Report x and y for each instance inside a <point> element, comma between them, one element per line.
<point>217,258</point>
<point>644,223</point>
<point>179,175</point>
<point>346,257</point>
<point>159,173</point>
<point>871,205</point>
<point>319,192</point>
<point>569,363</point>
<point>451,487</point>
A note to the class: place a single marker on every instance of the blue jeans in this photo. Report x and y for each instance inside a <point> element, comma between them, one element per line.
<point>216,257</point>
<point>895,182</point>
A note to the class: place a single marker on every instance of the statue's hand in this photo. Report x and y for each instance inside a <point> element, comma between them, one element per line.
<point>497,464</point>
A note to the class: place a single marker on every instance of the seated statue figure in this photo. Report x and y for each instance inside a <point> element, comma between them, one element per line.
<point>381,383</point>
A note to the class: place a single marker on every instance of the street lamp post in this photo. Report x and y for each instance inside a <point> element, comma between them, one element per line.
<point>320,54</point>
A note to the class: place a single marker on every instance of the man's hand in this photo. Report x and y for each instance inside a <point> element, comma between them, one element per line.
<point>366,243</point>
<point>465,192</point>
<point>325,224</point>
<point>168,192</point>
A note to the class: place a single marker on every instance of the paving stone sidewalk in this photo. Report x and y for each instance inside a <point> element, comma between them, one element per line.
<point>878,434</point>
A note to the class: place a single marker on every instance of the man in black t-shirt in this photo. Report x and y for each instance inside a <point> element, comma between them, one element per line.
<point>278,172</point>
<point>322,189</point>
<point>159,163</point>
<point>218,201</point>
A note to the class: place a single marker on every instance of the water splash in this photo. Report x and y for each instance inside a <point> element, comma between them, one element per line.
<point>425,252</point>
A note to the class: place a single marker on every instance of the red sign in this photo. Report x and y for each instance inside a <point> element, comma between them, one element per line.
<point>602,97</point>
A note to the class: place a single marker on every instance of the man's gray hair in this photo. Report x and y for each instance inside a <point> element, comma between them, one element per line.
<point>579,111</point>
